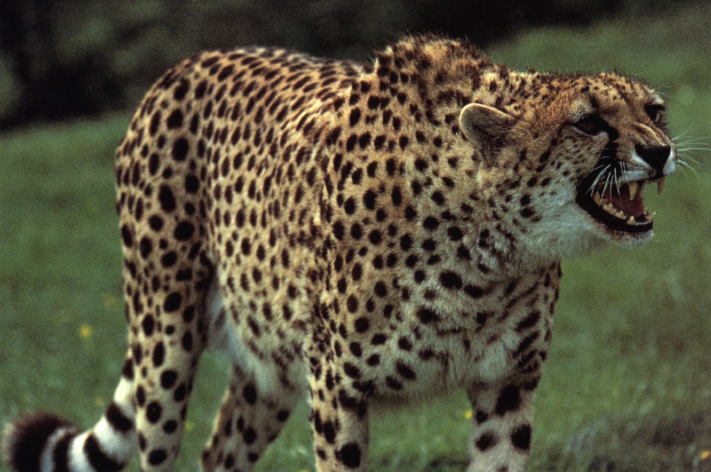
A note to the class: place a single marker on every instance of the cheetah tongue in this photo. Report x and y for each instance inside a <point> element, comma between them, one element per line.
<point>622,200</point>
<point>622,207</point>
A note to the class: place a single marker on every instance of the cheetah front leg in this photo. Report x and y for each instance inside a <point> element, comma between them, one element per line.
<point>501,427</point>
<point>339,422</point>
<point>248,421</point>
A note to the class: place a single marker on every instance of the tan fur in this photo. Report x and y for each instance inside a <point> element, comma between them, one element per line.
<point>361,233</point>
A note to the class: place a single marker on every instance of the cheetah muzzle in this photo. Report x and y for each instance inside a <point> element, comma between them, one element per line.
<point>357,235</point>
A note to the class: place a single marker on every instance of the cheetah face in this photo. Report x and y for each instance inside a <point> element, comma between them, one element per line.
<point>635,151</point>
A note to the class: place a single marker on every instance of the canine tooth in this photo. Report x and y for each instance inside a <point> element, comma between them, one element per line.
<point>596,198</point>
<point>633,186</point>
<point>660,185</point>
<point>651,217</point>
<point>631,221</point>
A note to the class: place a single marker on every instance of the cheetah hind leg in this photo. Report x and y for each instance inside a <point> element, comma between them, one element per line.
<point>248,421</point>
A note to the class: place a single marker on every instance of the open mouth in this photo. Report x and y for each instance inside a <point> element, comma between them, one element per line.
<point>617,205</point>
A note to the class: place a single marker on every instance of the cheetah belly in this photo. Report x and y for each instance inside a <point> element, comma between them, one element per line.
<point>457,369</point>
<point>224,335</point>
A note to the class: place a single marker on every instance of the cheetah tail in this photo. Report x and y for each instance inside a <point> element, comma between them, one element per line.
<point>43,442</point>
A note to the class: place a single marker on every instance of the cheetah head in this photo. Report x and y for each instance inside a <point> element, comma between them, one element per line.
<point>596,142</point>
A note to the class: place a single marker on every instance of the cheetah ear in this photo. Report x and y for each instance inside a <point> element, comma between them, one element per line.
<point>485,125</point>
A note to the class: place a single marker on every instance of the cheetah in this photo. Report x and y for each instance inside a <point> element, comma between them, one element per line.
<point>358,235</point>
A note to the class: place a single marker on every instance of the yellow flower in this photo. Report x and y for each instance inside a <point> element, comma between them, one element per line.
<point>468,414</point>
<point>110,300</point>
<point>704,455</point>
<point>84,331</point>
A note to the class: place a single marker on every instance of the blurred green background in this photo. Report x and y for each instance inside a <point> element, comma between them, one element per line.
<point>628,382</point>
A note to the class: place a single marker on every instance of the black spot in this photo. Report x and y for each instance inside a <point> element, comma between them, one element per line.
<point>155,222</point>
<point>355,116</point>
<point>356,231</point>
<point>187,341</point>
<point>486,441</point>
<point>172,302</point>
<point>141,396</point>
<point>169,259</point>
<point>117,419</point>
<point>192,184</point>
<point>375,236</point>
<point>474,291</point>
<point>175,119</point>
<point>180,149</point>
<point>431,223</point>
<point>429,244</point>
<point>529,321</point>
<point>157,457</point>
<point>170,426</point>
<point>361,325</point>
<point>155,123</point>
<point>338,230</point>
<point>166,198</point>
<point>521,437</point>
<point>349,455</point>
<point>249,436</point>
<point>349,206</point>
<point>180,393</point>
<point>146,246</point>
<point>369,199</point>
<point>158,355</point>
<point>393,383</point>
<point>153,412</point>
<point>250,394</point>
<point>351,370</point>
<point>454,233</point>
<point>380,289</point>
<point>405,371</point>
<point>427,316</point>
<point>126,236</point>
<point>352,304</point>
<point>96,456</point>
<point>148,324</point>
<point>450,280</point>
<point>168,379</point>
<point>509,400</point>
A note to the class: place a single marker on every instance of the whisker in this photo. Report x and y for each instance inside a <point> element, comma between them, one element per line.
<point>616,181</point>
<point>599,176</point>
<point>685,166</point>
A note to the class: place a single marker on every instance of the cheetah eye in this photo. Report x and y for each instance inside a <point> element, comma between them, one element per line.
<point>591,124</point>
<point>655,112</point>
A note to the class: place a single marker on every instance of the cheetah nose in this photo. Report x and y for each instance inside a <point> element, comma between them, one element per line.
<point>657,157</point>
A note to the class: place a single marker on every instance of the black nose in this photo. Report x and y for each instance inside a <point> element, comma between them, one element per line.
<point>655,156</point>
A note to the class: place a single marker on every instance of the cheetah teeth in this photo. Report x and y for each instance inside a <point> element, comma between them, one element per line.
<point>660,185</point>
<point>633,186</point>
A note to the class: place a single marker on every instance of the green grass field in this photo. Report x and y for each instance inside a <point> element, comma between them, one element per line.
<point>628,383</point>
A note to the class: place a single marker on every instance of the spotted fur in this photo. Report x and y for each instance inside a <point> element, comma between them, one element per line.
<point>357,234</point>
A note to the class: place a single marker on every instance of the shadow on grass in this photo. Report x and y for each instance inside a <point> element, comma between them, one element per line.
<point>648,444</point>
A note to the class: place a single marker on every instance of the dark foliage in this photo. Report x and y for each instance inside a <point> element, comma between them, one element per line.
<point>70,58</point>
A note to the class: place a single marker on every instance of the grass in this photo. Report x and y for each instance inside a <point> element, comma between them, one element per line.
<point>628,381</point>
